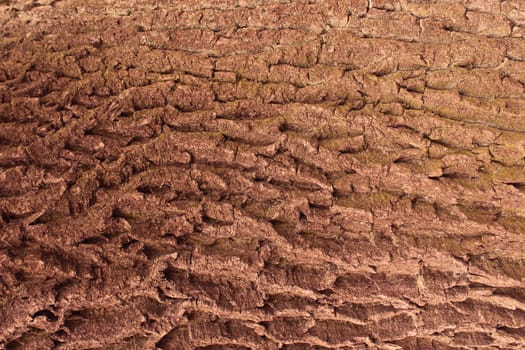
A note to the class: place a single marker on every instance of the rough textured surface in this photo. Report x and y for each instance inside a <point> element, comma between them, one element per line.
<point>249,174</point>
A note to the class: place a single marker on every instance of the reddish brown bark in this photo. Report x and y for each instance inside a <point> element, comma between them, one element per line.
<point>262,174</point>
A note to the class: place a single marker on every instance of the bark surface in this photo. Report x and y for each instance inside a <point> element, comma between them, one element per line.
<point>249,174</point>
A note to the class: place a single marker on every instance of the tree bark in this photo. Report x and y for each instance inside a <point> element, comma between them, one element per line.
<point>262,174</point>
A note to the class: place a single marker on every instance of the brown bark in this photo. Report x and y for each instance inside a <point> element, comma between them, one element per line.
<point>249,174</point>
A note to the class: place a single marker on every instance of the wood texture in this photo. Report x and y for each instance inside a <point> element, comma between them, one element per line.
<point>249,174</point>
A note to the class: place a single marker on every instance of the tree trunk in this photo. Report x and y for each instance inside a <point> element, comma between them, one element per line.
<point>262,174</point>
